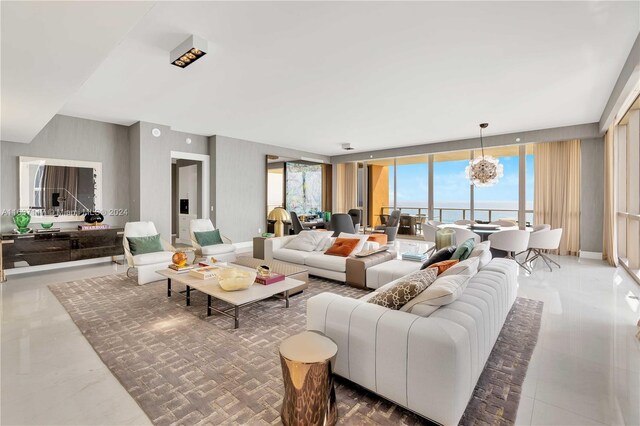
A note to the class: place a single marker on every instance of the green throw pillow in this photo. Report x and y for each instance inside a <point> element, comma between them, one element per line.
<point>208,238</point>
<point>464,250</point>
<point>142,245</point>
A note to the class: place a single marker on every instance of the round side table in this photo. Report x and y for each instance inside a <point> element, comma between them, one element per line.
<point>309,395</point>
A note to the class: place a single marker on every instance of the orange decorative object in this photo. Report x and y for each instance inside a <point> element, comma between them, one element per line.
<point>444,265</point>
<point>179,258</point>
<point>378,238</point>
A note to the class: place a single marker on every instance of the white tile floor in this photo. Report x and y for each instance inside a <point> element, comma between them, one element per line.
<point>585,369</point>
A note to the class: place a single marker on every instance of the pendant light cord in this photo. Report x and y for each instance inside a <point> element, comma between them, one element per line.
<point>481,143</point>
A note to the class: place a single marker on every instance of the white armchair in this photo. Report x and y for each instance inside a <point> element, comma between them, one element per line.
<point>146,264</point>
<point>225,252</point>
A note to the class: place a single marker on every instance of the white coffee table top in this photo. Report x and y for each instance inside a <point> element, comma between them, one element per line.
<point>211,287</point>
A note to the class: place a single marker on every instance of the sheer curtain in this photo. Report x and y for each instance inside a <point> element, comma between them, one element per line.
<point>609,241</point>
<point>557,191</point>
<point>346,187</point>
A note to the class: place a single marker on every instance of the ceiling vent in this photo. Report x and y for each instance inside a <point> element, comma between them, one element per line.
<point>347,147</point>
<point>189,51</point>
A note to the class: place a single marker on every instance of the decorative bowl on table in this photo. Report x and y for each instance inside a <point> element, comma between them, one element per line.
<point>233,279</point>
<point>47,225</point>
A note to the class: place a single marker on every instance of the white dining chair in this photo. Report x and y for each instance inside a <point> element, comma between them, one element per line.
<point>429,234</point>
<point>511,241</point>
<point>544,240</point>
<point>434,223</point>
<point>541,227</point>
<point>463,235</point>
<point>464,222</point>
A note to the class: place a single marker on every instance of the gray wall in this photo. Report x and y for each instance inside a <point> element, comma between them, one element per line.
<point>154,202</point>
<point>134,172</point>
<point>239,182</point>
<point>73,139</point>
<point>592,194</point>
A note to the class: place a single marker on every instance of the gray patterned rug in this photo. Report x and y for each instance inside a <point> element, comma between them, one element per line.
<point>184,368</point>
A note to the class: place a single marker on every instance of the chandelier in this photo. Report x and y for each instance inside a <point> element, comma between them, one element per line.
<point>484,170</point>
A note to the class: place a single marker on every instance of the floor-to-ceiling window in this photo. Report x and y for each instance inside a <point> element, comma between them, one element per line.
<point>451,188</point>
<point>501,200</point>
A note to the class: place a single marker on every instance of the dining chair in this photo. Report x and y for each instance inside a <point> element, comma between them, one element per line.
<point>463,235</point>
<point>542,227</point>
<point>503,222</point>
<point>512,241</point>
<point>297,224</point>
<point>434,223</point>
<point>341,222</point>
<point>464,222</point>
<point>544,240</point>
<point>356,217</point>
<point>392,226</point>
<point>429,235</point>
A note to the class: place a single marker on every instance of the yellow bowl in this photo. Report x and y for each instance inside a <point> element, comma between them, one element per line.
<point>232,279</point>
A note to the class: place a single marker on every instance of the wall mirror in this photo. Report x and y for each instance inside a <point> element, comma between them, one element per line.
<point>55,190</point>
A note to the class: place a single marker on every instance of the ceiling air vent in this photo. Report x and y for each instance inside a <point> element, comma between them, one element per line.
<point>347,147</point>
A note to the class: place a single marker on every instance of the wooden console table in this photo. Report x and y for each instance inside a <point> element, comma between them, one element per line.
<point>44,248</point>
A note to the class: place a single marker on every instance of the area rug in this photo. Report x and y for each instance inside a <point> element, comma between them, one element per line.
<point>183,368</point>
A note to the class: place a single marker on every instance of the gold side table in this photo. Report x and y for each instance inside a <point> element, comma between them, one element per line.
<point>309,395</point>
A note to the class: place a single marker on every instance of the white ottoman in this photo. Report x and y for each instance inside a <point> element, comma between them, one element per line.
<point>384,273</point>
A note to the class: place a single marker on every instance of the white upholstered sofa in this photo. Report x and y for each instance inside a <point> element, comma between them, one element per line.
<point>318,263</point>
<point>430,365</point>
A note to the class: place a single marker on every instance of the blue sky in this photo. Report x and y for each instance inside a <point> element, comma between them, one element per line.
<point>452,186</point>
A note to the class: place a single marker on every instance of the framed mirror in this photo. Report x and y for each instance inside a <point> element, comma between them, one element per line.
<point>55,190</point>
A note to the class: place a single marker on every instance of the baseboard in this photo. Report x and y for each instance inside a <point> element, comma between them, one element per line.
<point>62,265</point>
<point>590,255</point>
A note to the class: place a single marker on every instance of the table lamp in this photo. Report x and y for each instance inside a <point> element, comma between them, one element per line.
<point>280,215</point>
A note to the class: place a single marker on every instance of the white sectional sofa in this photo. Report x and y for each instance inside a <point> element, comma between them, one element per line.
<point>429,365</point>
<point>318,263</point>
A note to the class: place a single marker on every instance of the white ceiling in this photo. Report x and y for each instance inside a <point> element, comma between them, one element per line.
<point>313,75</point>
<point>48,50</point>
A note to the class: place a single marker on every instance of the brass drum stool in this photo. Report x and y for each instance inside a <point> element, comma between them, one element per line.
<point>309,395</point>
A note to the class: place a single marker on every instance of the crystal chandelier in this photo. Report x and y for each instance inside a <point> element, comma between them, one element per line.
<point>484,170</point>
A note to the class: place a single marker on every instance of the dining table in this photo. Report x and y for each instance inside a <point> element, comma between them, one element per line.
<point>484,231</point>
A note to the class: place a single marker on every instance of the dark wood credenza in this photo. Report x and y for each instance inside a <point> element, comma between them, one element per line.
<point>63,246</point>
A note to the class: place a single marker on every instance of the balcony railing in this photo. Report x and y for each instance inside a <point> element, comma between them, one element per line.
<point>451,214</point>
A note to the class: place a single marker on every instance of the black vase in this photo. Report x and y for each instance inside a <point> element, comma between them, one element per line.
<point>93,217</point>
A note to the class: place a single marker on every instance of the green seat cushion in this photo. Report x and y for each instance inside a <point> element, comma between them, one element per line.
<point>464,250</point>
<point>208,238</point>
<point>142,245</point>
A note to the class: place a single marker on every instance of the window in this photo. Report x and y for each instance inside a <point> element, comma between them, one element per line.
<point>500,201</point>
<point>451,188</point>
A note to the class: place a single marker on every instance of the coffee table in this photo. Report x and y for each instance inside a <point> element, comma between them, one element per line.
<point>237,299</point>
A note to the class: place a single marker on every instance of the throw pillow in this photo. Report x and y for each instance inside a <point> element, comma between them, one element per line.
<point>401,293</point>
<point>439,256</point>
<point>440,267</point>
<point>444,290</point>
<point>342,247</point>
<point>142,245</point>
<point>466,267</point>
<point>307,241</point>
<point>483,252</point>
<point>208,238</point>
<point>362,239</point>
<point>464,250</point>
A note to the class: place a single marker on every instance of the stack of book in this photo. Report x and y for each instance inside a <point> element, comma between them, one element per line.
<point>181,269</point>
<point>204,272</point>
<point>93,227</point>
<point>271,279</point>
<point>414,257</point>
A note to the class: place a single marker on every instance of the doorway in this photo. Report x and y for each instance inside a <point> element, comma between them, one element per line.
<point>189,194</point>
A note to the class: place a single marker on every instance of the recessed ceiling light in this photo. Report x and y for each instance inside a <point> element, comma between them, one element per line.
<point>156,132</point>
<point>188,51</point>
<point>517,139</point>
<point>188,141</point>
<point>347,147</point>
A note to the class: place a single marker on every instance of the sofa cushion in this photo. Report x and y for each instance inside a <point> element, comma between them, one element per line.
<point>439,256</point>
<point>440,267</point>
<point>288,255</point>
<point>386,272</point>
<point>153,258</point>
<point>208,238</point>
<point>464,250</point>
<point>466,267</point>
<point>362,239</point>
<point>217,249</point>
<point>323,261</point>
<point>307,240</point>
<point>483,252</point>
<point>400,293</point>
<point>343,247</point>
<point>444,290</point>
<point>142,245</point>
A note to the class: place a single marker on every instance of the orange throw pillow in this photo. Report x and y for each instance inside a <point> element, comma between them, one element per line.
<point>342,247</point>
<point>444,265</point>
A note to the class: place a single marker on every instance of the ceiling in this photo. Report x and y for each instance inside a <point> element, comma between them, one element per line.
<point>48,50</point>
<point>314,75</point>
